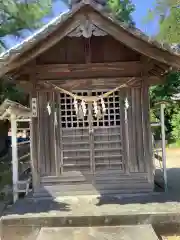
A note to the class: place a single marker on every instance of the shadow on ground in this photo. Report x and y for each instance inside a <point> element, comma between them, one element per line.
<point>32,205</point>
<point>159,196</point>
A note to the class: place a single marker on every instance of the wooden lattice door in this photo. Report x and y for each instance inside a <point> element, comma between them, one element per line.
<point>88,144</point>
<point>107,135</point>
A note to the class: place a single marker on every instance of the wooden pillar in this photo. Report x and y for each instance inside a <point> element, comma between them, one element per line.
<point>33,150</point>
<point>14,157</point>
<point>147,136</point>
<point>34,146</point>
<point>163,146</point>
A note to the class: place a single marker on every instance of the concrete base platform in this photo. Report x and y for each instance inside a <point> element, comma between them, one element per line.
<point>99,233</point>
<point>25,219</point>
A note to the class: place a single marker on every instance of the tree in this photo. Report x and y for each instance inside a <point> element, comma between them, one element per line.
<point>168,13</point>
<point>164,92</point>
<point>15,16</point>
<point>122,9</point>
<point>176,126</point>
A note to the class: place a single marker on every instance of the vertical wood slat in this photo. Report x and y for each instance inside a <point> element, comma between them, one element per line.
<point>51,137</point>
<point>124,130</point>
<point>91,139</point>
<point>41,138</point>
<point>133,131</point>
<point>60,147</point>
<point>139,132</point>
<point>147,138</point>
<point>46,136</point>
<point>57,128</point>
<point>130,130</point>
<point>56,169</point>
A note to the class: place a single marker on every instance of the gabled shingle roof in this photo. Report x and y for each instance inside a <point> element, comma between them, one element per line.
<point>13,53</point>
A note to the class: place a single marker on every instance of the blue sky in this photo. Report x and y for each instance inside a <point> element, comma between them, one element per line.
<point>142,8</point>
<point>141,11</point>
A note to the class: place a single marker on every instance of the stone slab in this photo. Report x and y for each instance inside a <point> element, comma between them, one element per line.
<point>162,211</point>
<point>99,233</point>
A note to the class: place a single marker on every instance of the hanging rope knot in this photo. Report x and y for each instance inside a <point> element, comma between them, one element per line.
<point>126,103</point>
<point>103,105</point>
<point>49,108</point>
<point>81,109</point>
<point>76,106</point>
<point>83,104</point>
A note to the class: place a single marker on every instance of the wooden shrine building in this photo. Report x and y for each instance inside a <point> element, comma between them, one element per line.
<point>88,76</point>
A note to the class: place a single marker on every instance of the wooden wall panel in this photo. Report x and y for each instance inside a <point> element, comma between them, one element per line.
<point>46,138</point>
<point>68,50</point>
<point>139,132</point>
<point>132,131</point>
<point>107,49</point>
<point>101,49</point>
<point>147,136</point>
<point>138,120</point>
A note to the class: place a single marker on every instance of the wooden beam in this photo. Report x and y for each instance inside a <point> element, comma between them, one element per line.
<point>107,66</point>
<point>88,83</point>
<point>133,41</point>
<point>90,70</point>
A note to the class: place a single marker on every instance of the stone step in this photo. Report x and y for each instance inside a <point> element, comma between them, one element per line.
<point>101,233</point>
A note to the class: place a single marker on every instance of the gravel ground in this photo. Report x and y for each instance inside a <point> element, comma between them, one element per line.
<point>173,169</point>
<point>173,174</point>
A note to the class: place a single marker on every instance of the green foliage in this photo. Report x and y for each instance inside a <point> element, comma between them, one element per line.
<point>165,92</point>
<point>176,126</point>
<point>168,13</point>
<point>19,15</point>
<point>170,28</point>
<point>16,16</point>
<point>122,9</point>
<point>10,90</point>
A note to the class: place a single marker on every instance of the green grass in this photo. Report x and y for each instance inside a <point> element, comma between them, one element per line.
<point>173,144</point>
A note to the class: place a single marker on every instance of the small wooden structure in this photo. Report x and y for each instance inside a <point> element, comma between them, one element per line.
<point>67,67</point>
<point>15,112</point>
